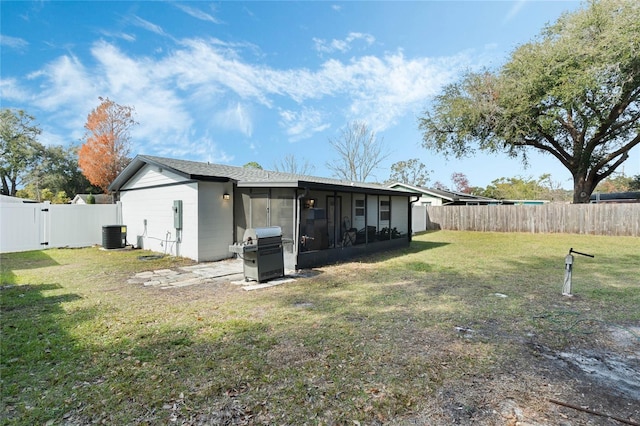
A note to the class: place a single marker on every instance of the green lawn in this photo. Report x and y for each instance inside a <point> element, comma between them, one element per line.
<point>370,342</point>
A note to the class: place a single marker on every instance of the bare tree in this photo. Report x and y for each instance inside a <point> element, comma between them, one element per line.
<point>289,164</point>
<point>359,152</point>
<point>461,182</point>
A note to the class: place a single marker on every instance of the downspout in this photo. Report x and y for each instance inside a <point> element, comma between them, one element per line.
<point>410,214</point>
<point>336,221</point>
<point>296,231</point>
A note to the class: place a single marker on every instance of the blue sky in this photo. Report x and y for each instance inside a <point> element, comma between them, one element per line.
<point>234,82</point>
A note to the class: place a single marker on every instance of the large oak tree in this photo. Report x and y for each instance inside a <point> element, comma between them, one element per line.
<point>58,171</point>
<point>105,152</point>
<point>573,93</point>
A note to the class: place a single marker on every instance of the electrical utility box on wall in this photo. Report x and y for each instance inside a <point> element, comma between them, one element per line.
<point>177,214</point>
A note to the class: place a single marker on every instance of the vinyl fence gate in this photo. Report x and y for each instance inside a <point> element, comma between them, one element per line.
<point>36,226</point>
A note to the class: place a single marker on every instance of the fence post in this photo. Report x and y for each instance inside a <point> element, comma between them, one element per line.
<point>119,213</point>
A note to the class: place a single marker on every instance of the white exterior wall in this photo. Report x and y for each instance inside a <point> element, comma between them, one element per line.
<point>152,176</point>
<point>207,219</point>
<point>426,200</point>
<point>155,206</point>
<point>418,218</point>
<point>144,200</point>
<point>215,218</point>
<point>400,214</point>
<point>372,211</point>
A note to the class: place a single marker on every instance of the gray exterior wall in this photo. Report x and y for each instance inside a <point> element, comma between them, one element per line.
<point>215,220</point>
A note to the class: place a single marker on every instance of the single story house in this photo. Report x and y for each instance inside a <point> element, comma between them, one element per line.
<point>7,199</point>
<point>196,210</point>
<point>99,199</point>
<point>615,197</point>
<point>439,197</point>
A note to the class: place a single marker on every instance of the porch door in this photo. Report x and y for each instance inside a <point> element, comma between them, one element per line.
<point>259,210</point>
<point>358,213</point>
<point>334,215</point>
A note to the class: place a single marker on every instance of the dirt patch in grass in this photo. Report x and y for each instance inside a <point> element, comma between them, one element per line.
<point>594,381</point>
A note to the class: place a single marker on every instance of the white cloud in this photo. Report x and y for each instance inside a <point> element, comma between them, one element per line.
<point>120,72</point>
<point>199,79</point>
<point>13,42</point>
<point>120,35</point>
<point>384,89</point>
<point>343,46</point>
<point>51,138</point>
<point>197,13</point>
<point>149,26</point>
<point>302,124</point>
<point>204,148</point>
<point>235,117</point>
<point>514,10</point>
<point>10,89</point>
<point>68,83</point>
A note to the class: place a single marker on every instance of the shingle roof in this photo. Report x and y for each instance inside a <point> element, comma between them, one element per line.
<point>447,195</point>
<point>244,176</point>
<point>99,198</point>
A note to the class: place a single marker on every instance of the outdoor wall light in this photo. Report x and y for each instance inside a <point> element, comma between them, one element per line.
<point>226,196</point>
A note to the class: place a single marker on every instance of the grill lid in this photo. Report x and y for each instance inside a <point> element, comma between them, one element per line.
<point>253,235</point>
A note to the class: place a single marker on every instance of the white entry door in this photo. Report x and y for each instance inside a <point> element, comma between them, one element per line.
<point>359,212</point>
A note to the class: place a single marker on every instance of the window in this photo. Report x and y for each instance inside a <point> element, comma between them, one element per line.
<point>385,210</point>
<point>360,208</point>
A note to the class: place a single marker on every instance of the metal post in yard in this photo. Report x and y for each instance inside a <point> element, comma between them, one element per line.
<point>568,266</point>
<point>568,269</point>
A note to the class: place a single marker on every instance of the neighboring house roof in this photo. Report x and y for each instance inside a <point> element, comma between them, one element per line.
<point>245,177</point>
<point>449,197</point>
<point>6,199</point>
<point>99,198</point>
<point>616,197</point>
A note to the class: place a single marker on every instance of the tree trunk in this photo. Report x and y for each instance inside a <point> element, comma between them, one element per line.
<point>5,185</point>
<point>582,189</point>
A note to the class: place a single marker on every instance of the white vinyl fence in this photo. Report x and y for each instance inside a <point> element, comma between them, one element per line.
<point>419,219</point>
<point>36,226</point>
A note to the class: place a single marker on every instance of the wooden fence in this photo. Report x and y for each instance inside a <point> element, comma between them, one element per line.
<point>598,219</point>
